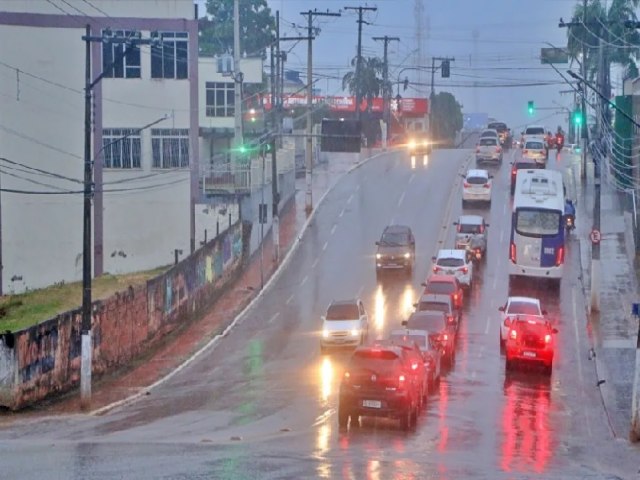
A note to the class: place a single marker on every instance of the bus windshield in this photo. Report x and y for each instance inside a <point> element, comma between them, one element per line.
<point>538,223</point>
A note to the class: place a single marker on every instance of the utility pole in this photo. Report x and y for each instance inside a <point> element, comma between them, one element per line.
<point>238,80</point>
<point>585,125</point>
<point>360,21</point>
<point>432,95</point>
<point>309,152</point>
<point>275,129</point>
<point>386,90</point>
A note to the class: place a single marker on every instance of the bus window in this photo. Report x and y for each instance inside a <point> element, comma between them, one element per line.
<point>537,223</point>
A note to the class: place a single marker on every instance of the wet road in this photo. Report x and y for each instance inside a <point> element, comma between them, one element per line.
<point>263,403</point>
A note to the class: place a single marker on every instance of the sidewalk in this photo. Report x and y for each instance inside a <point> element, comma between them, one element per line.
<point>178,347</point>
<point>613,329</point>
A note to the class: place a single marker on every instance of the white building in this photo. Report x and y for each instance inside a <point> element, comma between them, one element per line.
<point>144,137</point>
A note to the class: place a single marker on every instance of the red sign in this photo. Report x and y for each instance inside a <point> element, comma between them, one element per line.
<point>406,106</point>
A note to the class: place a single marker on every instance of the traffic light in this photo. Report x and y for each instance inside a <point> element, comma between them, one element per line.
<point>252,115</point>
<point>445,69</point>
<point>577,118</point>
<point>530,107</point>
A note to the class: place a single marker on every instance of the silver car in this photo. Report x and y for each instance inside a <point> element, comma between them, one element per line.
<point>470,227</point>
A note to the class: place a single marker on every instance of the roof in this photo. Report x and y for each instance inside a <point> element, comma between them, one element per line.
<point>409,331</point>
<point>470,219</point>
<point>435,297</point>
<point>451,253</point>
<point>439,277</point>
<point>397,229</point>
<point>380,346</point>
<point>350,301</point>
<point>429,313</point>
<point>477,172</point>
<point>540,189</point>
<point>523,299</point>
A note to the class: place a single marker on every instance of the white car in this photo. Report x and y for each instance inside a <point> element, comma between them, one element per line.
<point>454,262</point>
<point>535,150</point>
<point>476,187</point>
<point>345,324</point>
<point>488,150</point>
<point>518,306</point>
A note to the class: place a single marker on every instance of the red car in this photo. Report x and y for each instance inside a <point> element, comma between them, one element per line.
<point>530,340</point>
<point>445,284</point>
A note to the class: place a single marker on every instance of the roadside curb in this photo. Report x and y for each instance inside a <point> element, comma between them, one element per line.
<point>239,317</point>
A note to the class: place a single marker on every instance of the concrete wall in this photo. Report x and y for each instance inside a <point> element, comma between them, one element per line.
<point>45,359</point>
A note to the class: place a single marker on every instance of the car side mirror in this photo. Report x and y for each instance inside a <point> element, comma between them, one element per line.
<point>490,176</point>
<point>544,312</point>
<point>423,284</point>
<point>404,323</point>
<point>501,308</point>
<point>507,322</point>
<point>455,223</point>
<point>486,224</point>
<point>377,243</point>
<point>433,258</point>
<point>555,330</point>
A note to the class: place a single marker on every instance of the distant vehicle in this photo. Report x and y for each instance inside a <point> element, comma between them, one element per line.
<point>468,228</point>
<point>503,132</point>
<point>522,163</point>
<point>431,302</point>
<point>530,340</point>
<point>377,383</point>
<point>476,187</point>
<point>490,133</point>
<point>488,150</point>
<point>445,284</point>
<point>534,149</point>
<point>345,324</point>
<point>537,227</point>
<point>431,354</point>
<point>516,306</point>
<point>441,332</point>
<point>396,249</point>
<point>454,262</point>
<point>419,143</point>
<point>534,131</point>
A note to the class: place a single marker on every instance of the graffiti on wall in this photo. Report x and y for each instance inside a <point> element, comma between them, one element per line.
<point>37,351</point>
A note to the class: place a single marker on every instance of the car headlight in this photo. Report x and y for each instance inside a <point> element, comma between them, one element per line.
<point>325,333</point>
<point>407,255</point>
<point>412,144</point>
<point>425,142</point>
<point>355,332</point>
<point>378,256</point>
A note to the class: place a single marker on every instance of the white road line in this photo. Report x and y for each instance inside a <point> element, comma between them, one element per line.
<point>324,247</point>
<point>413,175</point>
<point>501,235</point>
<point>341,213</point>
<point>274,316</point>
<point>290,299</point>
<point>333,229</point>
<point>315,262</point>
<point>486,328</point>
<point>401,198</point>
<point>304,280</point>
<point>349,199</point>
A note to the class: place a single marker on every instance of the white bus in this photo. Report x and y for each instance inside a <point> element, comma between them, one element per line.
<point>537,230</point>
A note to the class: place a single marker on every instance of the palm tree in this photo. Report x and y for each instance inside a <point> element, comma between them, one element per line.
<point>367,84</point>
<point>606,25</point>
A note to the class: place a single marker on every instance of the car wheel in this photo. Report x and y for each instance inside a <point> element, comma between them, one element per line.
<point>343,417</point>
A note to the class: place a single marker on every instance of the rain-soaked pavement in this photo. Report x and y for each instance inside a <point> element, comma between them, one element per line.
<point>263,403</point>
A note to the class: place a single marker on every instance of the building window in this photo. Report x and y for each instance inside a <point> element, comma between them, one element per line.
<point>170,147</point>
<point>220,99</point>
<point>126,66</point>
<point>169,59</point>
<point>121,148</point>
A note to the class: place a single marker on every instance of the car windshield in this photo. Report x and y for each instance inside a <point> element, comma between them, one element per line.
<point>534,146</point>
<point>534,131</point>
<point>537,222</point>
<point>441,287</point>
<point>469,228</point>
<point>343,311</point>
<point>376,360</point>
<point>421,340</point>
<point>488,142</point>
<point>433,307</point>
<point>523,165</point>
<point>431,323</point>
<point>500,127</point>
<point>450,262</point>
<point>394,239</point>
<point>517,307</point>
<point>477,180</point>
<point>530,327</point>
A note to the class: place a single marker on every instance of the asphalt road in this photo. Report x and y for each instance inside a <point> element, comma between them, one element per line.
<point>263,403</point>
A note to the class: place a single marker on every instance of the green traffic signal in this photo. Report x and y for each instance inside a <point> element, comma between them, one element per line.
<point>530,107</point>
<point>577,117</point>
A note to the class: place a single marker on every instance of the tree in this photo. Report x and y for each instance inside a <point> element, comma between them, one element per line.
<point>368,83</point>
<point>257,28</point>
<point>446,117</point>
<point>621,43</point>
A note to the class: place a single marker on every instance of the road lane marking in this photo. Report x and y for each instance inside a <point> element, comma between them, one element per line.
<point>413,175</point>
<point>290,299</point>
<point>486,328</point>
<point>401,198</point>
<point>315,262</point>
<point>304,280</point>
<point>341,213</point>
<point>324,247</point>
<point>349,199</point>
<point>333,229</point>
<point>274,316</point>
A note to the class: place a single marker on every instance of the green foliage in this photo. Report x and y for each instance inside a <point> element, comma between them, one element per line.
<point>257,28</point>
<point>621,43</point>
<point>446,116</point>
<point>368,83</point>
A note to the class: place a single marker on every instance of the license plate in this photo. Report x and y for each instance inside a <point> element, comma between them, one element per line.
<point>372,403</point>
<point>529,354</point>
<point>450,272</point>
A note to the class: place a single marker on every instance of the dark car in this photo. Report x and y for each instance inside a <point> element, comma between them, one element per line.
<point>441,332</point>
<point>378,382</point>
<point>396,249</point>
<point>521,164</point>
<point>530,340</point>
<point>431,353</point>
<point>440,303</point>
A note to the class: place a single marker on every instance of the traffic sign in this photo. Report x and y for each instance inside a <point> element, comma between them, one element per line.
<point>595,236</point>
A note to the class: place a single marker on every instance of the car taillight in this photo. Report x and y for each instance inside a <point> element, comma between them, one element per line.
<point>481,228</point>
<point>525,151</point>
<point>465,185</point>
<point>436,269</point>
<point>465,269</point>
<point>458,228</point>
<point>512,252</point>
<point>487,185</point>
<point>414,366</point>
<point>347,376</point>
<point>401,380</point>
<point>455,296</point>
<point>477,149</point>
<point>513,334</point>
<point>514,171</point>
<point>498,149</point>
<point>547,338</point>
<point>559,256</point>
<point>445,337</point>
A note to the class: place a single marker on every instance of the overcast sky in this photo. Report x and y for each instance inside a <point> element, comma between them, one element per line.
<point>509,35</point>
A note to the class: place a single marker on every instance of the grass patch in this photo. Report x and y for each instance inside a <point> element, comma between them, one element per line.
<point>29,308</point>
